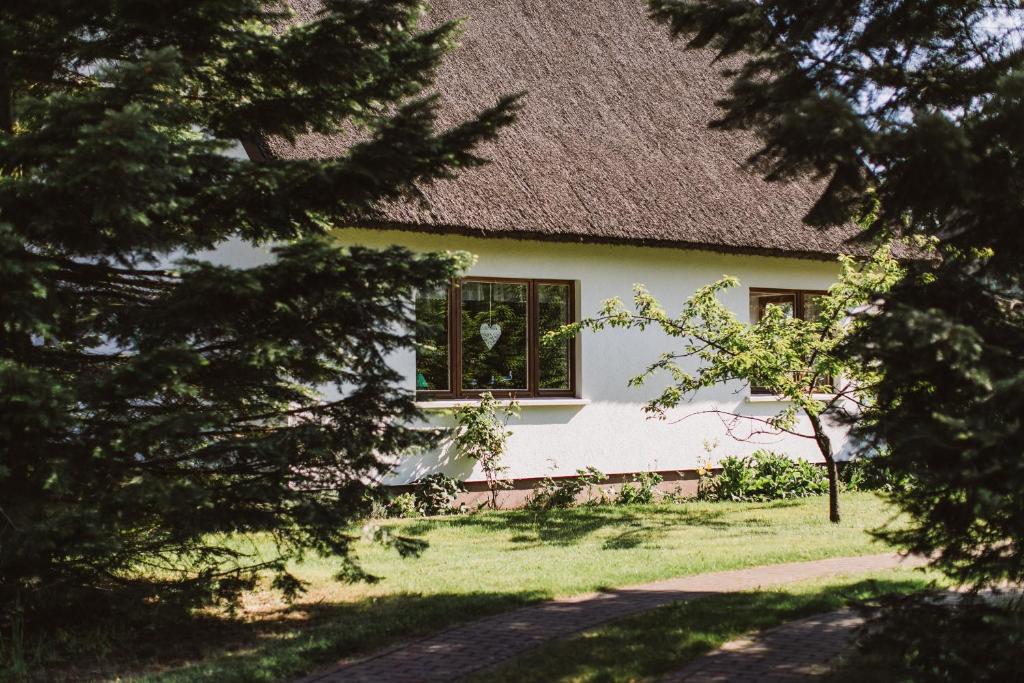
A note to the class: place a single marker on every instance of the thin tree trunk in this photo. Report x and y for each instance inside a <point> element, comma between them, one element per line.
<point>833,489</point>
<point>825,446</point>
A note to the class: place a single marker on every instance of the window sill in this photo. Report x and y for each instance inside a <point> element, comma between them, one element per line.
<point>553,402</point>
<point>771,398</point>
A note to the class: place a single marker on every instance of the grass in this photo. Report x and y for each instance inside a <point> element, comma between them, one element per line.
<point>475,565</point>
<point>652,644</point>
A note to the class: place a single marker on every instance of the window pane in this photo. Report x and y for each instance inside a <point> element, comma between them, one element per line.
<point>432,340</point>
<point>494,336</point>
<point>759,302</point>
<point>812,306</point>
<point>553,303</point>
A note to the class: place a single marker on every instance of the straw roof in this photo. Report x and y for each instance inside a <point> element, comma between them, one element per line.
<point>613,144</point>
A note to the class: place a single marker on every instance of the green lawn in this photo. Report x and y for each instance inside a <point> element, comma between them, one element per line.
<point>650,645</point>
<point>477,565</point>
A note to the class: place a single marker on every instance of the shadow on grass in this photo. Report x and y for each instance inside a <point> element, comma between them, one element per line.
<point>276,646</point>
<point>640,525</point>
<point>313,637</point>
<point>654,643</point>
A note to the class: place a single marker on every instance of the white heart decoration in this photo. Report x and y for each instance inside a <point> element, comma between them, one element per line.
<point>490,334</point>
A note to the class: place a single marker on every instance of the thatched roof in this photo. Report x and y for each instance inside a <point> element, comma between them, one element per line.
<point>612,146</point>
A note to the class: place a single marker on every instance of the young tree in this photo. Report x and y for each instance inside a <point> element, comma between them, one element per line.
<point>793,358</point>
<point>481,434</point>
<point>915,105</point>
<point>151,412</point>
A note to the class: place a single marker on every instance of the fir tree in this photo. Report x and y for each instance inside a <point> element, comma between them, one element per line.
<point>153,405</point>
<point>911,110</point>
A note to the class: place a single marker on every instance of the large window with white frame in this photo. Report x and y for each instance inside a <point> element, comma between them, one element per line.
<point>486,335</point>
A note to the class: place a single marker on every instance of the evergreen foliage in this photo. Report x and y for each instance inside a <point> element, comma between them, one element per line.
<point>152,403</point>
<point>911,108</point>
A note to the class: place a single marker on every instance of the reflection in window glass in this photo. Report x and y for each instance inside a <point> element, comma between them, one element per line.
<point>812,306</point>
<point>494,335</point>
<point>553,312</point>
<point>759,303</point>
<point>432,340</point>
<point>801,304</point>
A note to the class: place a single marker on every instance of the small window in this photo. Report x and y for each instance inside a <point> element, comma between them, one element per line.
<point>803,304</point>
<point>485,335</point>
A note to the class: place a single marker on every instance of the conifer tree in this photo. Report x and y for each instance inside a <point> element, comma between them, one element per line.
<point>154,405</point>
<point>910,111</point>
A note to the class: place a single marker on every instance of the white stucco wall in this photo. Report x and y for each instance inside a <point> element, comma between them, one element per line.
<point>609,430</point>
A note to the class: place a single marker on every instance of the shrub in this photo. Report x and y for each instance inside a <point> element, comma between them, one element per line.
<point>435,494</point>
<point>562,493</point>
<point>403,505</point>
<point>376,502</point>
<point>677,495</point>
<point>640,491</point>
<point>482,435</point>
<point>763,476</point>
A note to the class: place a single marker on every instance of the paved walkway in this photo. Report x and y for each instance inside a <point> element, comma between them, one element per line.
<point>792,652</point>
<point>456,652</point>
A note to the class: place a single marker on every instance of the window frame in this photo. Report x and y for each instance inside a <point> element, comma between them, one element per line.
<point>533,389</point>
<point>798,312</point>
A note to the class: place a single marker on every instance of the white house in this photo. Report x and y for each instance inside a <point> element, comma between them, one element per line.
<point>610,177</point>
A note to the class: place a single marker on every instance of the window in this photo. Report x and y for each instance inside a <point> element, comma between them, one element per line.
<point>803,304</point>
<point>484,334</point>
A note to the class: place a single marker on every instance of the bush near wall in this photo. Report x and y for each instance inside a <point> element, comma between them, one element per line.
<point>552,493</point>
<point>639,491</point>
<point>762,476</point>
<point>432,495</point>
<point>436,493</point>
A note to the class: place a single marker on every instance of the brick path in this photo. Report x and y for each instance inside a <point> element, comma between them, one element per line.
<point>791,652</point>
<point>456,652</point>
